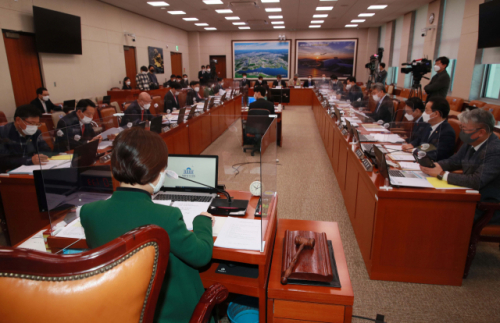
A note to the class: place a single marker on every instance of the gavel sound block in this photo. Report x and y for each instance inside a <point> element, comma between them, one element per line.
<point>305,257</point>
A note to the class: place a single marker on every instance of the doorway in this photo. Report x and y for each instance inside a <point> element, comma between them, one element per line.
<point>130,65</point>
<point>24,65</point>
<point>220,65</point>
<point>176,63</point>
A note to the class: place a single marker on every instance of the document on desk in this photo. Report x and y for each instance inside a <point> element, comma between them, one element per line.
<point>191,210</point>
<point>372,126</point>
<point>401,156</point>
<point>409,166</point>
<point>111,131</point>
<point>218,224</point>
<point>105,144</point>
<point>28,170</point>
<point>392,138</point>
<point>73,230</point>
<point>240,234</point>
<point>36,242</point>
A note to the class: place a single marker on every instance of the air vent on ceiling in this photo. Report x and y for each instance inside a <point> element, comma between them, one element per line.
<point>237,5</point>
<point>257,22</point>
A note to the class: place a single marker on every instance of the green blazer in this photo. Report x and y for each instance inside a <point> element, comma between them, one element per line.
<point>130,208</point>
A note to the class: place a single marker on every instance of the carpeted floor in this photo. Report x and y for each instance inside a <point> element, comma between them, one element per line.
<point>305,167</point>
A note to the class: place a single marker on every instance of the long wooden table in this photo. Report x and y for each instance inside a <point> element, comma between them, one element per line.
<point>404,234</point>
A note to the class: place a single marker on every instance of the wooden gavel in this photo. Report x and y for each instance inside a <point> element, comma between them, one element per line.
<point>302,243</point>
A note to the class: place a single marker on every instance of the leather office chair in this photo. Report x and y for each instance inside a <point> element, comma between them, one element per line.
<point>115,105</point>
<point>455,124</point>
<point>456,104</point>
<point>405,93</point>
<point>3,118</point>
<point>494,109</point>
<point>46,135</point>
<point>256,126</point>
<point>108,120</point>
<point>56,116</point>
<point>477,103</point>
<point>115,89</point>
<point>156,105</point>
<point>182,97</point>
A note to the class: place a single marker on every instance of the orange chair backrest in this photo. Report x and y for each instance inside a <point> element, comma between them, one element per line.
<point>455,124</point>
<point>182,99</point>
<point>477,103</point>
<point>156,105</point>
<point>3,118</point>
<point>456,104</point>
<point>405,93</point>
<point>494,109</point>
<point>108,120</point>
<point>46,135</point>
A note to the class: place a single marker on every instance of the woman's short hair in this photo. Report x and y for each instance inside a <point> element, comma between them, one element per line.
<point>138,156</point>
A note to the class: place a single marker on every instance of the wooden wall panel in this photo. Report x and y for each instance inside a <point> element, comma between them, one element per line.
<point>130,64</point>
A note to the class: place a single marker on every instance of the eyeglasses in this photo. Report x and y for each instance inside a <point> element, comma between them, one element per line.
<point>31,124</point>
<point>465,129</point>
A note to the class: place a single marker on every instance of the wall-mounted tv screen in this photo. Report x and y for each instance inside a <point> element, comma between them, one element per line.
<point>489,24</point>
<point>57,32</point>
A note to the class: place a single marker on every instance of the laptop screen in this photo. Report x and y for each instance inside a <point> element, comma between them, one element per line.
<point>201,169</point>
<point>381,163</point>
<point>251,99</point>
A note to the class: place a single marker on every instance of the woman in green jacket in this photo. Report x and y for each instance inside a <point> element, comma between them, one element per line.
<point>139,162</point>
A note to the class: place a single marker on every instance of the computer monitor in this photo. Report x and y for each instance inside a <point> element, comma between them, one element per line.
<point>205,106</point>
<point>70,104</point>
<point>337,113</point>
<point>349,127</point>
<point>156,124</point>
<point>211,103</point>
<point>199,168</point>
<point>250,100</point>
<point>180,117</point>
<point>381,163</point>
<point>191,112</point>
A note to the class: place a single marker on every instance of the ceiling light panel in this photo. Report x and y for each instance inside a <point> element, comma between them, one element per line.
<point>224,11</point>
<point>317,21</point>
<point>176,12</point>
<point>158,3</point>
<point>190,19</point>
<point>314,26</point>
<point>277,22</point>
<point>239,23</point>
<point>324,8</point>
<point>273,9</point>
<point>201,24</point>
<point>320,16</point>
<point>377,7</point>
<point>213,2</point>
<point>366,15</point>
<point>269,1</point>
<point>279,27</point>
<point>210,28</point>
<point>244,27</point>
<point>351,26</point>
<point>358,20</point>
<point>275,17</point>
<point>232,18</point>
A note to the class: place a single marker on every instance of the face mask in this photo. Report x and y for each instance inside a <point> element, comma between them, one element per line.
<point>203,70</point>
<point>30,129</point>
<point>46,98</point>
<point>197,89</point>
<point>146,106</point>
<point>466,137</point>
<point>309,79</point>
<point>86,120</point>
<point>208,70</point>
<point>409,117</point>
<point>348,86</point>
<point>260,81</point>
<point>177,80</point>
<point>426,117</point>
<point>436,68</point>
<point>244,77</point>
<point>128,83</point>
<point>185,79</point>
<point>151,71</point>
<point>324,78</point>
<point>158,186</point>
<point>376,98</point>
<point>144,72</point>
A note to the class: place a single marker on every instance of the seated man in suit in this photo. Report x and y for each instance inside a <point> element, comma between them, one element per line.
<point>385,106</point>
<point>309,82</point>
<point>171,81</point>
<point>279,82</point>
<point>43,103</point>
<point>19,140</point>
<point>217,86</point>
<point>75,129</point>
<point>353,93</point>
<point>201,75</point>
<point>137,111</point>
<point>477,158</point>
<point>185,81</point>
<point>193,95</point>
<point>260,82</point>
<point>153,81</point>
<point>171,103</point>
<point>413,113</point>
<point>295,81</point>
<point>178,79</point>
<point>260,101</point>
<point>245,81</point>
<point>440,133</point>
<point>324,80</point>
<point>335,84</point>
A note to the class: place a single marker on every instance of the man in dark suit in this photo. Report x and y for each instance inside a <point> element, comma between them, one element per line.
<point>20,141</point>
<point>260,82</point>
<point>279,82</point>
<point>43,103</point>
<point>153,81</point>
<point>440,83</point>
<point>201,75</point>
<point>385,106</point>
<point>75,129</point>
<point>413,113</point>
<point>440,133</point>
<point>171,102</point>
<point>193,94</point>
<point>172,80</point>
<point>260,102</point>
<point>185,81</point>
<point>217,86</point>
<point>382,74</point>
<point>137,111</point>
<point>477,158</point>
<point>353,93</point>
<point>335,84</point>
<point>209,75</point>
<point>309,82</point>
<point>245,81</point>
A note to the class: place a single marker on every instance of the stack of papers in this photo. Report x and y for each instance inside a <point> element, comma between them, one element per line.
<point>36,242</point>
<point>409,166</point>
<point>105,144</point>
<point>393,138</point>
<point>443,185</point>
<point>72,230</point>
<point>28,170</point>
<point>240,234</point>
<point>399,156</point>
<point>111,131</point>
<point>62,157</point>
<point>372,126</point>
<point>190,210</point>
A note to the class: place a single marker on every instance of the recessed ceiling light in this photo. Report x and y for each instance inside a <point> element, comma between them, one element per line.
<point>277,22</point>
<point>314,26</point>
<point>273,9</point>
<point>323,8</point>
<point>351,26</point>
<point>210,28</point>
<point>320,16</point>
<point>244,27</point>
<point>269,1</point>
<point>232,18</point>
<point>275,17</point>
<point>377,7</point>
<point>366,15</point>
<point>158,3</point>
<point>279,27</point>
<point>224,11</point>
<point>358,20</point>
<point>317,21</point>
<point>190,19</point>
<point>327,0</point>
<point>213,2</point>
<point>176,12</point>
<point>201,24</point>
<point>239,23</point>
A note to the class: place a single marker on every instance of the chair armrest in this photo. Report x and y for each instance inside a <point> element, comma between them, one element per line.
<point>214,295</point>
<point>488,206</point>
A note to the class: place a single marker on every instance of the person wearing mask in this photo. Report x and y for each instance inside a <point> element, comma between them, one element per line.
<point>260,101</point>
<point>171,102</point>
<point>217,86</point>
<point>43,103</point>
<point>75,129</point>
<point>477,159</point>
<point>309,82</point>
<point>193,94</point>
<point>440,83</point>
<point>139,162</point>
<point>201,75</point>
<point>244,81</point>
<point>279,82</point>
<point>20,141</point>
<point>382,74</point>
<point>153,81</point>
<point>142,79</point>
<point>414,109</point>
<point>324,80</point>
<point>335,85</point>
<point>295,81</point>
<point>209,77</point>
<point>260,82</point>
<point>353,93</point>
<point>178,79</point>
<point>385,106</point>
<point>439,133</point>
<point>127,84</point>
<point>185,81</point>
<point>172,80</point>
<point>137,111</point>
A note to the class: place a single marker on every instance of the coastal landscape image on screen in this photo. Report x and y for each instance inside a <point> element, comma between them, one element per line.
<point>268,59</point>
<point>330,57</point>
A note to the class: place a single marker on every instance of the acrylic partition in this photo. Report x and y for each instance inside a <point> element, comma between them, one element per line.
<point>268,173</point>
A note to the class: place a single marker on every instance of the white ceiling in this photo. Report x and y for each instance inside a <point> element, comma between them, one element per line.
<point>297,14</point>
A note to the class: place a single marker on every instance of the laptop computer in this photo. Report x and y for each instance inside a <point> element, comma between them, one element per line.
<point>180,117</point>
<point>223,97</point>
<point>85,155</point>
<point>156,124</point>
<point>200,168</point>
<point>205,106</point>
<point>192,112</point>
<point>211,103</point>
<point>106,99</point>
<point>400,177</point>
<point>69,104</point>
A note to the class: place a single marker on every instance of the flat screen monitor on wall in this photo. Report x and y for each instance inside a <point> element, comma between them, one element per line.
<point>489,24</point>
<point>57,32</point>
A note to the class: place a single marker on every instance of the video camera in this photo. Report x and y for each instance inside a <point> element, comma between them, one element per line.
<point>418,67</point>
<point>374,59</point>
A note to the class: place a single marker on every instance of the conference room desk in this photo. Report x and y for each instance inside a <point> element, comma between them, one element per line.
<point>404,234</point>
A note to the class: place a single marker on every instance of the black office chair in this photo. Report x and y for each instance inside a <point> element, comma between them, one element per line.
<point>256,127</point>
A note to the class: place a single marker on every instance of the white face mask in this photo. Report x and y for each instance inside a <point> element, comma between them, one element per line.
<point>197,89</point>
<point>426,117</point>
<point>203,71</point>
<point>208,70</point>
<point>376,97</point>
<point>158,186</point>
<point>30,129</point>
<point>244,77</point>
<point>409,117</point>
<point>144,72</point>
<point>86,120</point>
<point>128,83</point>
<point>185,79</point>
<point>324,78</point>
<point>309,79</point>
<point>46,98</point>
<point>146,106</point>
<point>177,80</point>
<point>348,86</point>
<point>436,68</point>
